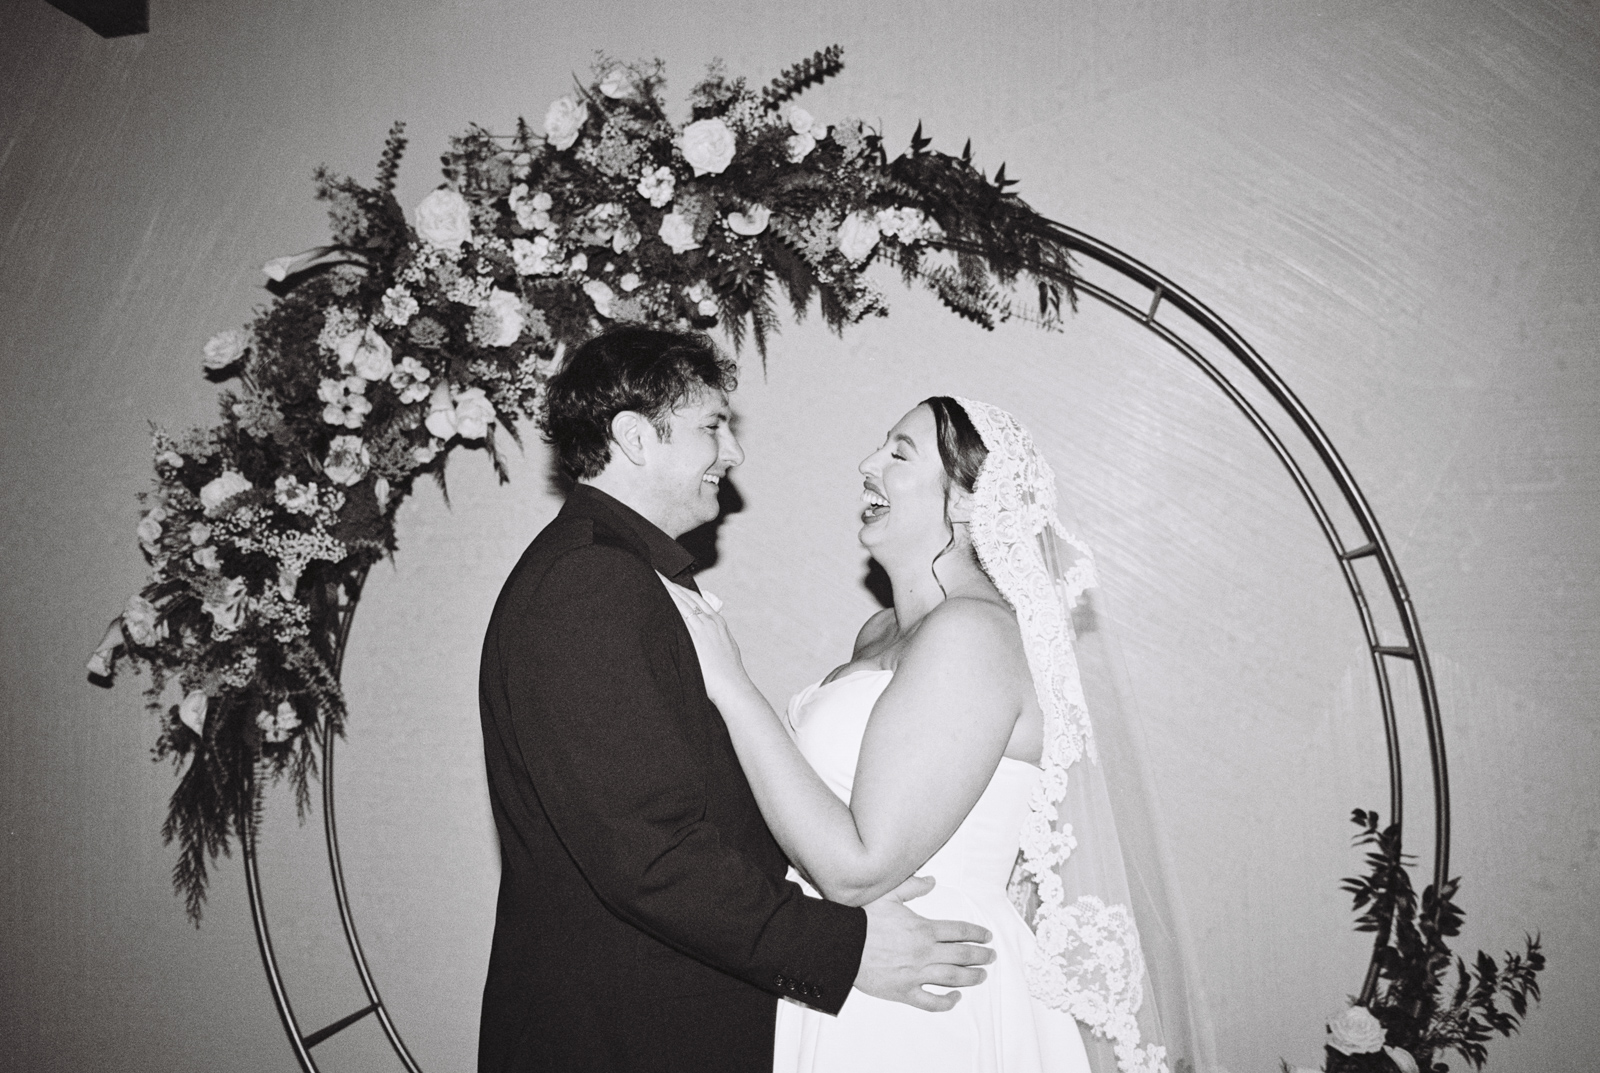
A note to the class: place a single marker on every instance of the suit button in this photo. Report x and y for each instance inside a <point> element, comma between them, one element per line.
<point>782,981</point>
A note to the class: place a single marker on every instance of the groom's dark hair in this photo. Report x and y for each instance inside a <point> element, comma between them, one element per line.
<point>650,371</point>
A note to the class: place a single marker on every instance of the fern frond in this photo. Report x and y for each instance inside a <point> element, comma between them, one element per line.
<point>815,70</point>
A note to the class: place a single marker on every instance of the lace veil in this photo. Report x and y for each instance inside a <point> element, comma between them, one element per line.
<point>1090,878</point>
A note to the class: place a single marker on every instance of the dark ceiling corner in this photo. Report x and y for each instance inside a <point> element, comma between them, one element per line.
<point>108,18</point>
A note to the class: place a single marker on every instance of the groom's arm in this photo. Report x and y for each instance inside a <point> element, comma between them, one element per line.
<point>596,693</point>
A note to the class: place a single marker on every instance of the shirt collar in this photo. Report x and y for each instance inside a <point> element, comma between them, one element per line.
<point>663,553</point>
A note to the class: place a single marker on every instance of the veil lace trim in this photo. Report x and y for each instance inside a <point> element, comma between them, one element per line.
<point>1088,961</point>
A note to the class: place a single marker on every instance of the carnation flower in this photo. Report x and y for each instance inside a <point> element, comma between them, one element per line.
<point>467,413</point>
<point>277,726</point>
<point>658,186</point>
<point>294,497</point>
<point>226,608</point>
<point>858,236</point>
<point>677,231</point>
<point>398,306</point>
<point>217,492</point>
<point>617,83</point>
<point>225,348</point>
<point>499,320</point>
<point>752,221</point>
<point>533,258</point>
<point>602,296</point>
<point>563,121</point>
<point>707,145</point>
<point>141,621</point>
<point>629,282</point>
<point>1355,1031</point>
<point>348,460</point>
<point>444,220</point>
<point>346,401</point>
<point>192,711</point>
<point>409,379</point>
<point>367,353</point>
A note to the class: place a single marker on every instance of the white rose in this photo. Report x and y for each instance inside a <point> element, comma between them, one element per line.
<point>800,146</point>
<point>192,711</point>
<point>601,295</point>
<point>677,231</point>
<point>277,726</point>
<point>227,610</point>
<point>800,120</point>
<point>564,120</point>
<point>141,620</point>
<point>474,414</point>
<point>224,488</point>
<point>658,186</point>
<point>225,348</point>
<point>751,221</point>
<point>443,220</point>
<point>1355,1031</point>
<point>858,235</point>
<point>367,353</point>
<point>707,145</point>
<point>629,282</point>
<point>348,460</point>
<point>617,84</point>
<point>499,320</point>
<point>532,258</point>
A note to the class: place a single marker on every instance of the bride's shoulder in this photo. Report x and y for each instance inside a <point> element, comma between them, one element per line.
<point>970,627</point>
<point>874,632</point>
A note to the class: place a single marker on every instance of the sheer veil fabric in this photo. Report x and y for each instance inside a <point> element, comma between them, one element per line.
<point>1091,877</point>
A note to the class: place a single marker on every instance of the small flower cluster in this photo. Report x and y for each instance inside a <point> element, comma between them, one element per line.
<point>411,334</point>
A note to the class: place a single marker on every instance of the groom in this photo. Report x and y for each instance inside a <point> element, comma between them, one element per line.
<point>644,922</point>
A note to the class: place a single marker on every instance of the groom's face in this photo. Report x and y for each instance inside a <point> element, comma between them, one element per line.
<point>689,463</point>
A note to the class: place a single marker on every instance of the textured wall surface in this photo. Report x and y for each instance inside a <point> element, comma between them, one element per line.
<point>1396,202</point>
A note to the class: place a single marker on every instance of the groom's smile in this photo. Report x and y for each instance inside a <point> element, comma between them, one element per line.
<point>694,455</point>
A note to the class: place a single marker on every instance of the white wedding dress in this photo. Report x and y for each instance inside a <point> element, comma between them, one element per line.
<point>998,1026</point>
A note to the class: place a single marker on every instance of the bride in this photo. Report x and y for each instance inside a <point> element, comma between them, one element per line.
<point>955,744</point>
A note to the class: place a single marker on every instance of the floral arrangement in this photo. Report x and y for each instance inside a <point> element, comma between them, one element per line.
<point>404,339</point>
<point>1409,1013</point>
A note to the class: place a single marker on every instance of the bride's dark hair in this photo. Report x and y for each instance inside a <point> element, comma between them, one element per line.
<point>962,452</point>
<point>961,449</point>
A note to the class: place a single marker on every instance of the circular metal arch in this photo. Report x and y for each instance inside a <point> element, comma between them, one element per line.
<point>1212,345</point>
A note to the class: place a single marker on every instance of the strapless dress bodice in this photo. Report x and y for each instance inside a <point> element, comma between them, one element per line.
<point>828,721</point>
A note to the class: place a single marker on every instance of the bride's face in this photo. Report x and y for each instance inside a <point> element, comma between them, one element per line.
<point>904,492</point>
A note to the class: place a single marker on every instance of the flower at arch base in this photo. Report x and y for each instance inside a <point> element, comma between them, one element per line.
<point>499,320</point>
<point>225,348</point>
<point>467,413</point>
<point>366,352</point>
<point>348,460</point>
<point>858,236</point>
<point>1356,1031</point>
<point>677,231</point>
<point>192,711</point>
<point>217,492</point>
<point>708,146</point>
<point>564,120</point>
<point>443,220</point>
<point>752,221</point>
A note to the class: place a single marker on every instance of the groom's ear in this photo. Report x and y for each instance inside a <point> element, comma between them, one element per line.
<point>629,431</point>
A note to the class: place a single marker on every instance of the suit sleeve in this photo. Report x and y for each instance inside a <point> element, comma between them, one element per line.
<point>596,694</point>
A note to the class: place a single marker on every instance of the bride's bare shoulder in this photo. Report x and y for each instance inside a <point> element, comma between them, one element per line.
<point>979,628</point>
<point>875,632</point>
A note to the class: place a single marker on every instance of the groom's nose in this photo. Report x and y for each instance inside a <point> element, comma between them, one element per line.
<point>731,451</point>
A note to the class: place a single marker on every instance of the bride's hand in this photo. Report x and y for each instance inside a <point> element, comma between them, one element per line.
<point>720,662</point>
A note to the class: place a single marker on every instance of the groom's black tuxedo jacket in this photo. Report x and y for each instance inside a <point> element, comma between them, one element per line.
<point>644,922</point>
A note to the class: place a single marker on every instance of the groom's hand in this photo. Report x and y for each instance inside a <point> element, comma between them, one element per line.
<point>904,952</point>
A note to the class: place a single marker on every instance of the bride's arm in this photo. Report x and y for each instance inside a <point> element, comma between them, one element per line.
<point>933,742</point>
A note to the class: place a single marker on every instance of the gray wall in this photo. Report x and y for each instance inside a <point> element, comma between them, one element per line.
<point>1394,201</point>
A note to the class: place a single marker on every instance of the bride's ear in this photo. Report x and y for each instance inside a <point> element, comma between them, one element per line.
<point>958,505</point>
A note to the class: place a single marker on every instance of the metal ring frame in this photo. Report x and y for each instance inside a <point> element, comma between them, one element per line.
<point>1158,291</point>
